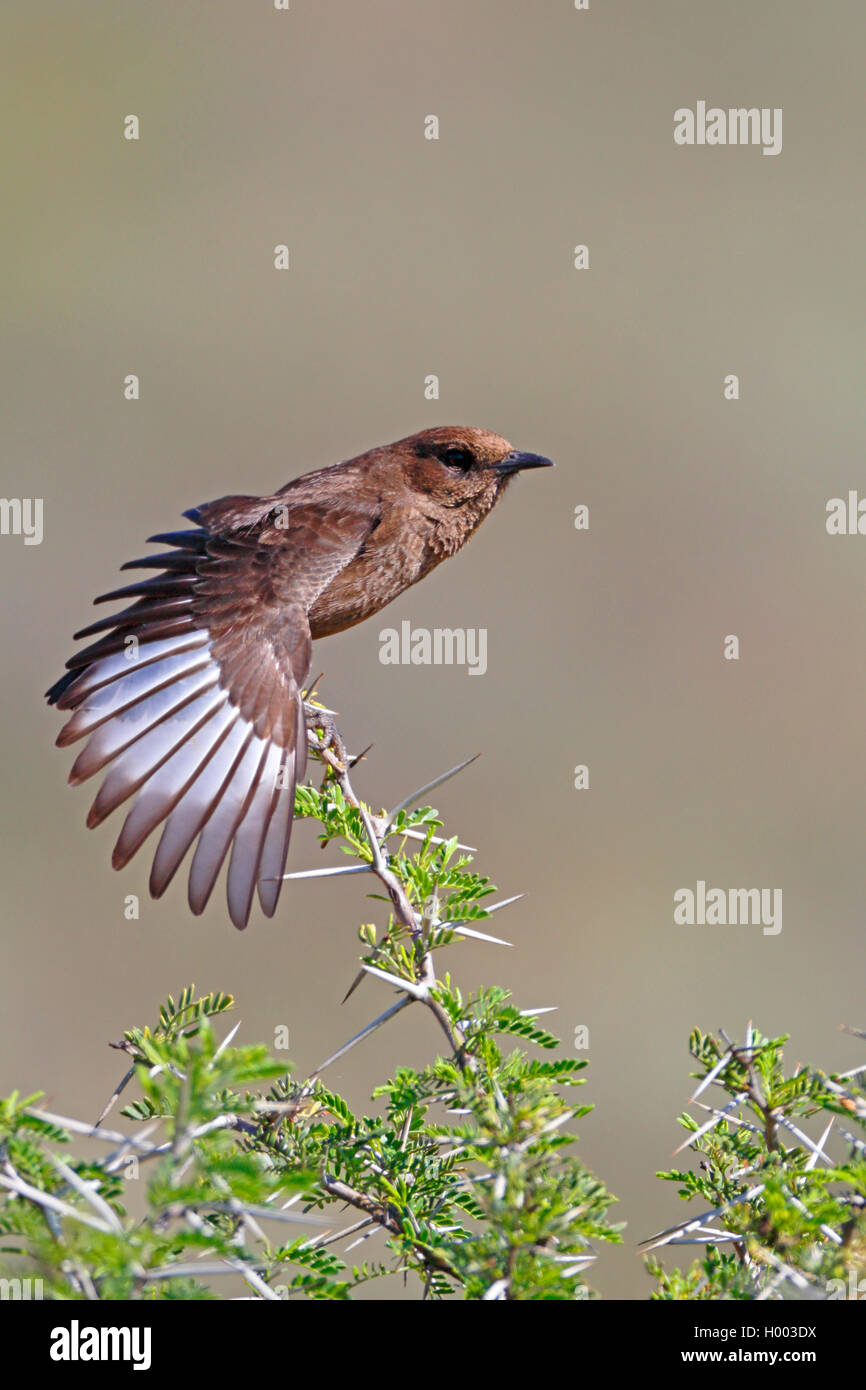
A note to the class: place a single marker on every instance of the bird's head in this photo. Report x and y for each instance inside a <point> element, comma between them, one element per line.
<point>456,465</point>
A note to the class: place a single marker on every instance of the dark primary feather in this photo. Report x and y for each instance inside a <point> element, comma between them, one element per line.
<point>192,698</point>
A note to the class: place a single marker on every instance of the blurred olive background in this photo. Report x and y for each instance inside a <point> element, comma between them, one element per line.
<point>411,257</point>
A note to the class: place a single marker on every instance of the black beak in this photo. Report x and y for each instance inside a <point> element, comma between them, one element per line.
<point>515,462</point>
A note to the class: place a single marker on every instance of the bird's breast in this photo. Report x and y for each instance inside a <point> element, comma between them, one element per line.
<point>373,579</point>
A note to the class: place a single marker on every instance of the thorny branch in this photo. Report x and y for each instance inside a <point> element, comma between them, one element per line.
<point>381,1215</point>
<point>327,743</point>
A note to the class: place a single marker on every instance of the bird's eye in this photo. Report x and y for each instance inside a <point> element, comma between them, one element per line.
<point>457,457</point>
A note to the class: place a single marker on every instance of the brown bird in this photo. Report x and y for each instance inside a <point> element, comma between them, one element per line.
<point>192,694</point>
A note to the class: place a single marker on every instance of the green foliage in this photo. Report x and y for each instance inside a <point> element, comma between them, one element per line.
<point>786,1212</point>
<point>234,1178</point>
<point>463,1170</point>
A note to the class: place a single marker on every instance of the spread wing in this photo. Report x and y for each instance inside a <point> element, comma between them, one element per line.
<point>191,695</point>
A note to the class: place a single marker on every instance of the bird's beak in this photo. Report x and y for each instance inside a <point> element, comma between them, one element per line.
<point>516,461</point>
